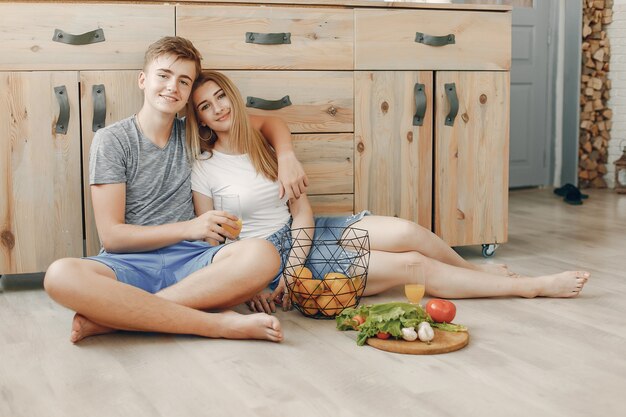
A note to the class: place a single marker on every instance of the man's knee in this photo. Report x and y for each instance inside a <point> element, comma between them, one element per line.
<point>262,257</point>
<point>58,275</point>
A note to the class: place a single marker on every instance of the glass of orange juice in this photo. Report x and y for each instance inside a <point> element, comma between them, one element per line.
<point>415,286</point>
<point>230,203</point>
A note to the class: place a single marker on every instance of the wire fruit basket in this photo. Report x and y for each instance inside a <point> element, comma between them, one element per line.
<point>325,268</point>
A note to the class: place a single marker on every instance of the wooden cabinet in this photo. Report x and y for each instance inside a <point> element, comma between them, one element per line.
<point>298,65</point>
<point>361,84</point>
<point>117,94</point>
<point>393,155</point>
<point>449,170</point>
<point>471,158</point>
<point>40,207</point>
<point>42,131</point>
<point>461,136</point>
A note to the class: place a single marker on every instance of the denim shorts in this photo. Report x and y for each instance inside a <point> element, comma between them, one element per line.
<point>154,270</point>
<point>283,237</point>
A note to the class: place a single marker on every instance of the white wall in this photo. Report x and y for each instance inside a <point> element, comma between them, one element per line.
<point>616,32</point>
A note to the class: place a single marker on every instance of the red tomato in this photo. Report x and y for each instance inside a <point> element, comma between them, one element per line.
<point>359,319</point>
<point>441,311</point>
<point>382,335</point>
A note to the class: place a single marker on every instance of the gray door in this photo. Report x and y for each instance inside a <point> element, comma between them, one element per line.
<point>530,131</point>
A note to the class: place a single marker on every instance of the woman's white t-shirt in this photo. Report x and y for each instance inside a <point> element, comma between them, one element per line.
<point>263,213</point>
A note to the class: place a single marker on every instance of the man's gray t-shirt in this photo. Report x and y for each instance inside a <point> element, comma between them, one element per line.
<point>158,181</point>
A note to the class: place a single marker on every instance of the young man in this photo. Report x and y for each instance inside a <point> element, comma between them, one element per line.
<point>155,272</point>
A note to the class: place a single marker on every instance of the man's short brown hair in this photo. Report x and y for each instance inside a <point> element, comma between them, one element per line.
<point>181,48</point>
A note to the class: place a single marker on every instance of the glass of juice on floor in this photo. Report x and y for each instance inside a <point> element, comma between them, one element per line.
<point>415,286</point>
<point>230,203</point>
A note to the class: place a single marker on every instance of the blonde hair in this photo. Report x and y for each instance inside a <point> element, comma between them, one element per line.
<point>243,137</point>
<point>180,47</point>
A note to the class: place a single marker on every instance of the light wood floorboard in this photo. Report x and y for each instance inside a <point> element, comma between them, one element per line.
<point>540,357</point>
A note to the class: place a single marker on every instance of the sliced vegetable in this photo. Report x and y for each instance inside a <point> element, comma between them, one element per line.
<point>359,319</point>
<point>383,335</point>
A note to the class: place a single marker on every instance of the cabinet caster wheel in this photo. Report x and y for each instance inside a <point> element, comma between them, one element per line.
<point>489,249</point>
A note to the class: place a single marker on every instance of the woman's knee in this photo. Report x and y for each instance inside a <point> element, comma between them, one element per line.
<point>413,235</point>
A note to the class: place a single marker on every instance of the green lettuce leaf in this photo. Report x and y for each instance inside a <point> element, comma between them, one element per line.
<point>386,317</point>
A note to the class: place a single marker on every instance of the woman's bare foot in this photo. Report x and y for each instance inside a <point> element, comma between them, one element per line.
<point>82,327</point>
<point>565,284</point>
<point>250,326</point>
<point>496,269</point>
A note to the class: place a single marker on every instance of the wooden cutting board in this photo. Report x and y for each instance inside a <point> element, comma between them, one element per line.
<point>443,342</point>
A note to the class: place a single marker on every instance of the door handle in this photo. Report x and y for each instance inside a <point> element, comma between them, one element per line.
<point>434,40</point>
<point>454,103</point>
<point>268,38</point>
<point>99,107</point>
<point>259,103</point>
<point>64,109</point>
<point>86,38</point>
<point>420,104</point>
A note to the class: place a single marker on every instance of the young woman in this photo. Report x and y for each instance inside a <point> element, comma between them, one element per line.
<point>233,158</point>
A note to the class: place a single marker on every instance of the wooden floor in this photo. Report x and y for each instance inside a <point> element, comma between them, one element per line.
<point>540,357</point>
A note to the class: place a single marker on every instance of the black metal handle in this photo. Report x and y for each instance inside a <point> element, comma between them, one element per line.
<point>454,103</point>
<point>434,40</point>
<point>99,107</point>
<point>259,103</point>
<point>86,38</point>
<point>268,38</point>
<point>64,109</point>
<point>420,104</point>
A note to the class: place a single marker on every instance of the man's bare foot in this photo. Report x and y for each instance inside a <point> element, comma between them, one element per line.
<point>82,327</point>
<point>565,284</point>
<point>250,326</point>
<point>496,269</point>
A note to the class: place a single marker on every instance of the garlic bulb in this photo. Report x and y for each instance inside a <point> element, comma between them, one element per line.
<point>425,332</point>
<point>409,334</point>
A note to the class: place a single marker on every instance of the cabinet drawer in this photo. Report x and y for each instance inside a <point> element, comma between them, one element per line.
<point>319,38</point>
<point>388,39</point>
<point>28,31</point>
<point>321,101</point>
<point>332,205</point>
<point>328,162</point>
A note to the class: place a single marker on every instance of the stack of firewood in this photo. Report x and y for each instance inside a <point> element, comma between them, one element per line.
<point>595,116</point>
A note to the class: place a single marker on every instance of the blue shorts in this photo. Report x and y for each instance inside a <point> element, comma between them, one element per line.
<point>283,235</point>
<point>154,270</point>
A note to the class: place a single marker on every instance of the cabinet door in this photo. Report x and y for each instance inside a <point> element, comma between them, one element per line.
<point>40,196</point>
<point>123,98</point>
<point>471,158</point>
<point>393,158</point>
